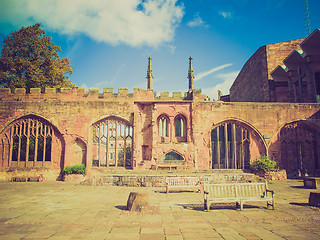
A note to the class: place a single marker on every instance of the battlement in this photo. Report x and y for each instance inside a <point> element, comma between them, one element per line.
<point>93,94</point>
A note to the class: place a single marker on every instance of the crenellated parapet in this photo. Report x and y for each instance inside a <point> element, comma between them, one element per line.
<point>93,94</point>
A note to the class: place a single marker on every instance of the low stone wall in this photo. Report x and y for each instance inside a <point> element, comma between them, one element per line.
<point>276,175</point>
<point>160,180</point>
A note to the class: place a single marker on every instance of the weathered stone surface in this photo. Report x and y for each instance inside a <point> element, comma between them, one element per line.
<point>311,182</point>
<point>138,201</point>
<point>314,199</point>
<point>274,175</point>
<point>74,178</point>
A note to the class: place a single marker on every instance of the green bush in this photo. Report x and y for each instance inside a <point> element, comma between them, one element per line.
<point>75,169</point>
<point>264,164</point>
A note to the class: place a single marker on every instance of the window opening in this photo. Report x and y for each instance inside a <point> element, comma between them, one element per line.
<point>230,143</point>
<point>112,143</point>
<point>172,156</point>
<point>163,127</point>
<point>31,141</point>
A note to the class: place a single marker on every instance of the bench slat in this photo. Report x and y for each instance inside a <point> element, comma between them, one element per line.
<point>237,192</point>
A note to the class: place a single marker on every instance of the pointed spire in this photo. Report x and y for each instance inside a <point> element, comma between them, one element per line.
<point>190,74</point>
<point>149,74</point>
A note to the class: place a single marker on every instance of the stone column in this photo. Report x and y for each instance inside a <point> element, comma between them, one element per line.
<point>89,149</point>
<point>292,94</point>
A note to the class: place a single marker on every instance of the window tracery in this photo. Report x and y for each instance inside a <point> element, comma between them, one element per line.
<point>112,143</point>
<point>29,143</point>
<point>230,144</point>
<point>163,124</point>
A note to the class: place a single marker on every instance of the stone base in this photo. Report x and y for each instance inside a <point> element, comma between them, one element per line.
<point>311,182</point>
<point>138,201</point>
<point>74,178</point>
<point>314,199</point>
<point>274,175</point>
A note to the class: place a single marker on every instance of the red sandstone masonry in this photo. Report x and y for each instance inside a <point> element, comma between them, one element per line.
<point>74,115</point>
<point>251,85</point>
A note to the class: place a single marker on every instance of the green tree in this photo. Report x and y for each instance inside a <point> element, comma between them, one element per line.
<point>30,60</point>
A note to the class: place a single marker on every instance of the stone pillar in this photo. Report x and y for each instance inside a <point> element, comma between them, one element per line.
<point>89,151</point>
<point>68,149</point>
<point>292,93</point>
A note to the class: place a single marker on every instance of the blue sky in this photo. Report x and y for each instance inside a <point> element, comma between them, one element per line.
<point>109,41</point>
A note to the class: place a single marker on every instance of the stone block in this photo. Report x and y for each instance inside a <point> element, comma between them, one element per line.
<point>314,199</point>
<point>177,95</point>
<point>108,90</point>
<point>50,91</point>
<point>164,94</point>
<point>35,90</point>
<point>66,90</point>
<point>123,91</point>
<point>93,91</point>
<point>138,201</point>
<point>311,182</point>
<point>20,91</point>
<point>5,91</point>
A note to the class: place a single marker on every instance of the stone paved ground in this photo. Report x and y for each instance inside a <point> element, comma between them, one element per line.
<point>59,210</point>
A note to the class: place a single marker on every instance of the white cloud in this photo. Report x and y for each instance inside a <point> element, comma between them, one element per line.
<point>132,22</point>
<point>201,75</point>
<point>225,14</point>
<point>224,87</point>
<point>197,22</point>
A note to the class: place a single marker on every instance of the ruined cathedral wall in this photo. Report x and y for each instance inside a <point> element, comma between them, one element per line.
<point>264,120</point>
<point>73,120</point>
<point>251,85</point>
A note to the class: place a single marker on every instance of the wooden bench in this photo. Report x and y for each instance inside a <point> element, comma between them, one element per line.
<point>237,192</point>
<point>27,178</point>
<point>183,182</point>
<point>167,166</point>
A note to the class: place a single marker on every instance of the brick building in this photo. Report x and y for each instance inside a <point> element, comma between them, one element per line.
<point>140,130</point>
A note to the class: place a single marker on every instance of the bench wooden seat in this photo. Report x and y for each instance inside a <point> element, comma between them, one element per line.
<point>237,192</point>
<point>183,182</point>
<point>27,178</point>
<point>167,166</point>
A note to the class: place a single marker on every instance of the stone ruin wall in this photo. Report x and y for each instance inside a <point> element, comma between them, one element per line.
<point>252,83</point>
<point>73,112</point>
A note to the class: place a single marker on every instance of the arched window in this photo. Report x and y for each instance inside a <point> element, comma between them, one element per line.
<point>112,143</point>
<point>30,142</point>
<point>163,124</point>
<point>172,156</point>
<point>300,149</point>
<point>230,142</point>
<point>180,128</point>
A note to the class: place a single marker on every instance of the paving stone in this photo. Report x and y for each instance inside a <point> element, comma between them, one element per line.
<point>145,230</point>
<point>55,210</point>
<point>152,236</point>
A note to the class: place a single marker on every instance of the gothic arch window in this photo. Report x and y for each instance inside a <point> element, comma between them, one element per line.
<point>163,126</point>
<point>301,148</point>
<point>112,143</point>
<point>29,143</point>
<point>180,125</point>
<point>172,156</point>
<point>231,145</point>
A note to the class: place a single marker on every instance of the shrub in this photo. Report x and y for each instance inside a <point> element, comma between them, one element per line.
<point>75,169</point>
<point>264,164</point>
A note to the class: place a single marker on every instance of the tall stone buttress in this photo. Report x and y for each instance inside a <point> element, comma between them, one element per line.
<point>190,75</point>
<point>150,75</point>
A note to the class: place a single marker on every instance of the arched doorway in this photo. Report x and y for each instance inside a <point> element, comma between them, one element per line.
<point>234,144</point>
<point>31,142</point>
<point>112,143</point>
<point>300,149</point>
